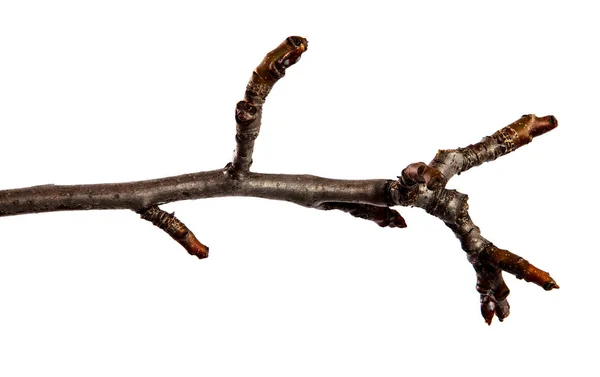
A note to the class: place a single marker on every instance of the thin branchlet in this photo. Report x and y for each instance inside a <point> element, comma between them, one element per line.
<point>176,229</point>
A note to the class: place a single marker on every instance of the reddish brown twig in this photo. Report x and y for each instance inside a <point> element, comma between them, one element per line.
<point>514,264</point>
<point>176,229</point>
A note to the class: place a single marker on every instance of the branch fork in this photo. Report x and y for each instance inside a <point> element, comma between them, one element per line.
<point>419,185</point>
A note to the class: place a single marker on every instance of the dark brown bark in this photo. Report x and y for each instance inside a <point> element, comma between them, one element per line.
<point>305,190</point>
<point>420,185</point>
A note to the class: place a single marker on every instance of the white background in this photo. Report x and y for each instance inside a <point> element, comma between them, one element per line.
<point>121,90</point>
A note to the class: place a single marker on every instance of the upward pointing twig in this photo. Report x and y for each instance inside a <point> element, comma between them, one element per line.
<point>423,185</point>
<point>508,139</point>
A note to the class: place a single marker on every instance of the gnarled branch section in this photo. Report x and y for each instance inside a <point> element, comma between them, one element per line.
<point>420,185</point>
<point>423,186</point>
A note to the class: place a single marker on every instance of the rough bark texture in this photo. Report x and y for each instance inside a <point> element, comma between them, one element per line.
<point>420,185</point>
<point>423,186</point>
<point>176,229</point>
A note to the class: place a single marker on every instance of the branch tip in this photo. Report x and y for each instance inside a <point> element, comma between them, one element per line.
<point>282,57</point>
<point>420,172</point>
<point>551,285</point>
<point>539,126</point>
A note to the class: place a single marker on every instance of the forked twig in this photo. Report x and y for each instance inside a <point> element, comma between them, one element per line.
<point>419,185</point>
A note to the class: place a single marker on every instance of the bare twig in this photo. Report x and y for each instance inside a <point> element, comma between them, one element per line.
<point>423,186</point>
<point>248,112</point>
<point>176,229</point>
<point>420,185</point>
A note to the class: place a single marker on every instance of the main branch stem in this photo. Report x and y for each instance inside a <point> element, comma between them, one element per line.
<point>304,190</point>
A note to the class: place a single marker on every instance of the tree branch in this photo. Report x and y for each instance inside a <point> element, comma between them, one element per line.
<point>420,184</point>
<point>423,186</point>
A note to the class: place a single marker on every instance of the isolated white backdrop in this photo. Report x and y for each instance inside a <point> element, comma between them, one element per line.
<point>122,90</point>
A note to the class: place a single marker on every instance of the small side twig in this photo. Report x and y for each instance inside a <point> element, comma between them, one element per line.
<point>382,216</point>
<point>176,229</point>
<point>248,112</point>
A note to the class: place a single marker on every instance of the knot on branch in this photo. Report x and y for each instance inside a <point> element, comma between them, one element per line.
<point>420,172</point>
